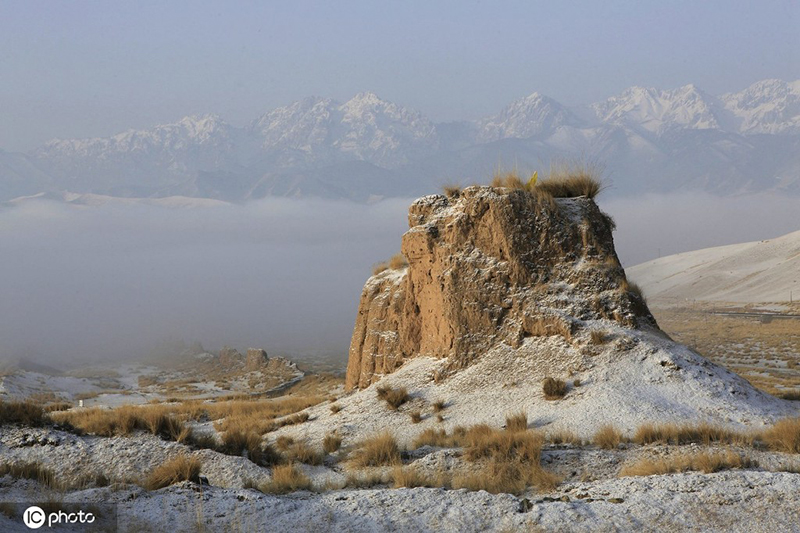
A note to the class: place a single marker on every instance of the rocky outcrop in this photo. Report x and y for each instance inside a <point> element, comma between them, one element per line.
<point>257,359</point>
<point>490,265</point>
<point>230,357</point>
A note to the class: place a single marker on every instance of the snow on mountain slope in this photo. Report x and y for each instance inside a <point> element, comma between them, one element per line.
<point>768,106</point>
<point>658,111</point>
<point>527,117</point>
<point>763,271</point>
<point>363,128</point>
<point>650,139</point>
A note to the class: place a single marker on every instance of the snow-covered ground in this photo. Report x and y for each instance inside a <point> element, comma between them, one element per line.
<point>753,272</point>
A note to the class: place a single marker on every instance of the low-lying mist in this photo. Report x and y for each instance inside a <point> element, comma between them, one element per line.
<point>112,281</point>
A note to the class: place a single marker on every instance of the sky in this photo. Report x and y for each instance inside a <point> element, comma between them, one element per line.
<point>82,69</point>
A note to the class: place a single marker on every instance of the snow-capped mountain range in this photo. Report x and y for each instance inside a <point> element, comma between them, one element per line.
<point>648,139</point>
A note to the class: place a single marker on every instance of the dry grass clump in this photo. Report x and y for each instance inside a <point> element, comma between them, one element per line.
<point>434,437</point>
<point>553,388</point>
<point>242,443</point>
<point>498,477</point>
<point>416,417</point>
<point>335,408</point>
<point>284,442</point>
<point>564,436</point>
<point>452,191</point>
<point>365,480</point>
<point>175,470</point>
<point>122,421</point>
<point>607,437</point>
<point>784,435</point>
<point>597,336</point>
<point>380,450</point>
<point>707,462</point>
<point>703,432</point>
<point>303,453</point>
<point>285,479</point>
<point>484,442</point>
<point>439,406</point>
<point>569,179</point>
<point>411,478</point>
<point>331,443</point>
<point>398,261</point>
<point>21,413</point>
<point>30,470</point>
<point>508,180</point>
<point>571,186</point>
<point>393,397</point>
<point>517,422</point>
<point>506,461</point>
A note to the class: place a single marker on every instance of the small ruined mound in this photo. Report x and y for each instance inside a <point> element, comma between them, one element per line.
<point>491,266</point>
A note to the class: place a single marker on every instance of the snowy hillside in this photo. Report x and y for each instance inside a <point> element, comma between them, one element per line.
<point>763,271</point>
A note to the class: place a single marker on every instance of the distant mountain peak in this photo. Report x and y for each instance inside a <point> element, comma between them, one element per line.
<point>528,116</point>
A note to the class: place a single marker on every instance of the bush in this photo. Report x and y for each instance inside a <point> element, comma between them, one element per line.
<point>703,462</point>
<point>784,435</point>
<point>380,450</point>
<point>517,422</point>
<point>303,453</point>
<point>285,479</point>
<point>607,437</point>
<point>30,470</point>
<point>175,470</point>
<point>398,261</point>
<point>331,443</point>
<point>553,388</point>
<point>21,413</point>
<point>452,191</point>
<point>393,397</point>
<point>571,186</point>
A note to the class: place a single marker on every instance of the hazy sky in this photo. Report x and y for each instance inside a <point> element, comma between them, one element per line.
<point>77,69</point>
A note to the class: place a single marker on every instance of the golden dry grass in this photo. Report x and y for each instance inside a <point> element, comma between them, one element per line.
<point>607,437</point>
<point>335,408</point>
<point>285,479</point>
<point>498,477</point>
<point>702,433</point>
<point>398,261</point>
<point>707,462</point>
<point>411,478</point>
<point>767,354</point>
<point>452,191</point>
<point>379,450</point>
<point>175,470</point>
<point>784,435</point>
<point>30,470</point>
<point>571,178</point>
<point>303,453</point>
<point>597,336</point>
<point>331,443</point>
<point>564,436</point>
<point>394,398</point>
<point>416,416</point>
<point>517,422</point>
<point>553,388</point>
<point>21,413</point>
<point>439,405</point>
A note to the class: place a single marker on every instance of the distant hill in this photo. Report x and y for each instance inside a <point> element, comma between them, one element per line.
<point>762,271</point>
<point>650,140</point>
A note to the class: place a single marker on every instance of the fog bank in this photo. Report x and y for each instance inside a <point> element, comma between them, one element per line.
<point>113,280</point>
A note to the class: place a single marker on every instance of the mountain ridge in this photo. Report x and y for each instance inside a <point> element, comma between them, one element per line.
<point>639,133</point>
